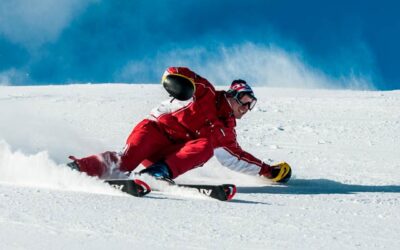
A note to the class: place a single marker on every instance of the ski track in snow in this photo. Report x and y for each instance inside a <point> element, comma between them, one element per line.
<point>343,146</point>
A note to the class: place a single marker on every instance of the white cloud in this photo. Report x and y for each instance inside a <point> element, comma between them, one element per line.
<point>35,22</point>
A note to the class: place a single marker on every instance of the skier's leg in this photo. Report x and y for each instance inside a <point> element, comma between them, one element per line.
<point>191,155</point>
<point>145,139</point>
<point>96,165</point>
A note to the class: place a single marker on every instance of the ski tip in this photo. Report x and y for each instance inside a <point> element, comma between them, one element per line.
<point>230,191</point>
<point>142,187</point>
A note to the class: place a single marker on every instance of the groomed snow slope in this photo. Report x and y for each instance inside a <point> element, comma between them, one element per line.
<point>343,147</point>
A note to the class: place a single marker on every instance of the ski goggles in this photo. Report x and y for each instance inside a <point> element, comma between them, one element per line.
<point>250,104</point>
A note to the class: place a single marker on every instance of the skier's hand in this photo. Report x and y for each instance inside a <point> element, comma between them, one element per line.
<point>266,171</point>
<point>280,172</point>
<point>179,86</point>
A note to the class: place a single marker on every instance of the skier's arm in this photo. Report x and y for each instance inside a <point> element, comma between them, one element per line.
<point>231,155</point>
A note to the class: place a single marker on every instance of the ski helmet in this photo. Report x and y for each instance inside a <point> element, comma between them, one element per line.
<point>238,89</point>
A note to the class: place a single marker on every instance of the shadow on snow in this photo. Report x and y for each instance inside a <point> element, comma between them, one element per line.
<point>319,186</point>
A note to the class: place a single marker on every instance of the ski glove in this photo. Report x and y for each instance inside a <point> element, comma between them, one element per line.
<point>179,86</point>
<point>280,172</point>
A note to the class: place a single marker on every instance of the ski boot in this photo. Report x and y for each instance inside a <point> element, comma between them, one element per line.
<point>160,171</point>
<point>73,164</point>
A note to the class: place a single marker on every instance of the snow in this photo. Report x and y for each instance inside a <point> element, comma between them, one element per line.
<point>343,147</point>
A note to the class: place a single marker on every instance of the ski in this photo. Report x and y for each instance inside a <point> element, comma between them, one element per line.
<point>138,188</point>
<point>133,187</point>
<point>224,192</point>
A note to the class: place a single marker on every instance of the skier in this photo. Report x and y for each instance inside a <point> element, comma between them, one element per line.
<point>185,132</point>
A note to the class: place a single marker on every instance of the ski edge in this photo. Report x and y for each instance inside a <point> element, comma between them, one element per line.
<point>133,187</point>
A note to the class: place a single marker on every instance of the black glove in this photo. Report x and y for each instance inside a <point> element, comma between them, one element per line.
<point>179,87</point>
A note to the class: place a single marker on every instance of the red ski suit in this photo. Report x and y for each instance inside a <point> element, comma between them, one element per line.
<point>184,134</point>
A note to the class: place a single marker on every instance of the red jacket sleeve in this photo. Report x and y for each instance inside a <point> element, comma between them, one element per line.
<point>231,155</point>
<point>190,119</point>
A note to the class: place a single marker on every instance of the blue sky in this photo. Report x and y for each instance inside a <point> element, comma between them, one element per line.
<point>344,44</point>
